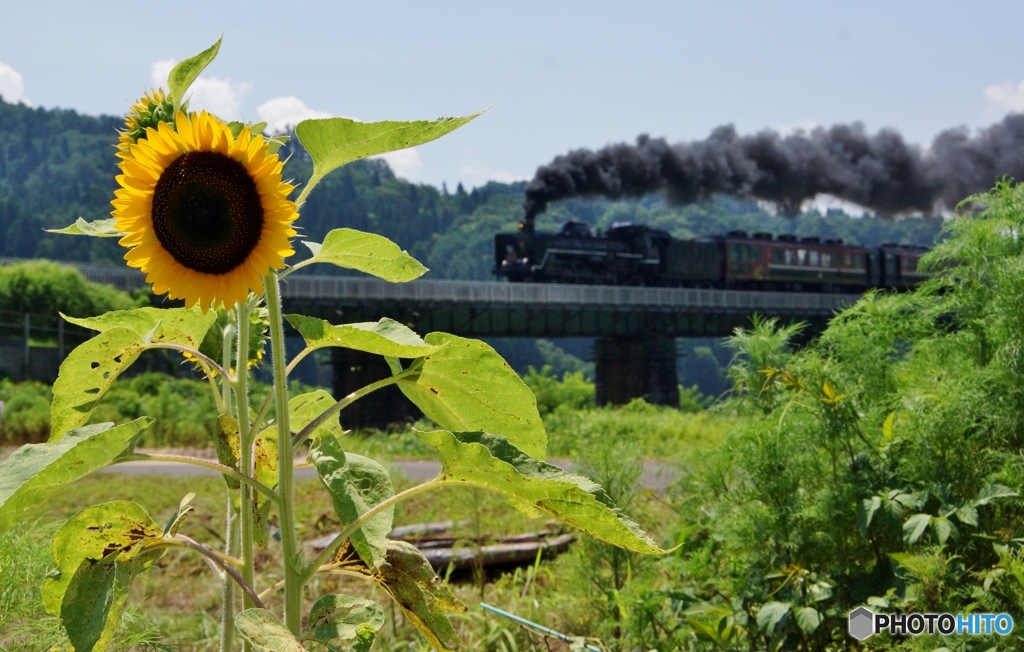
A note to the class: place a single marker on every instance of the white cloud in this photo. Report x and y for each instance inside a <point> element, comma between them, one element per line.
<point>477,174</point>
<point>1006,97</point>
<point>159,72</point>
<point>281,113</point>
<point>222,97</point>
<point>12,85</point>
<point>405,163</point>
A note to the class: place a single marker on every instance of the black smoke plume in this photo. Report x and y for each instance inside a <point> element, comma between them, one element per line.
<point>880,172</point>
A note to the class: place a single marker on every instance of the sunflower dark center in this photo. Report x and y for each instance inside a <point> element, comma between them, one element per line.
<point>207,212</point>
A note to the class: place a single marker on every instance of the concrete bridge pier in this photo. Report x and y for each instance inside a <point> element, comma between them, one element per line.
<point>636,367</point>
<point>354,370</point>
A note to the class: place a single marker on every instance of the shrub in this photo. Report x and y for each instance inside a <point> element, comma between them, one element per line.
<point>26,412</point>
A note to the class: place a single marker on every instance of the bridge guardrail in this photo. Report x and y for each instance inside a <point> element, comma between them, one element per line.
<point>356,289</point>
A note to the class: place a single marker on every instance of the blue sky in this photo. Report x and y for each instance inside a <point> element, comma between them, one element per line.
<point>560,75</point>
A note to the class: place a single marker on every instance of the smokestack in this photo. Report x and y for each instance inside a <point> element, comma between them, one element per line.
<point>881,172</point>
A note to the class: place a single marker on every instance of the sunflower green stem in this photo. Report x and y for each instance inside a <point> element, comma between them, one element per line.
<point>289,545</point>
<point>241,387</point>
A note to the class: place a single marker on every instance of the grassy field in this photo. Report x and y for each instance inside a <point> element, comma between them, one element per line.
<point>176,606</point>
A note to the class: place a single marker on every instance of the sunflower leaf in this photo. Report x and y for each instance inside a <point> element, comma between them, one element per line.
<point>356,484</point>
<point>340,621</point>
<point>467,386</point>
<point>183,74</point>
<point>410,581</point>
<point>100,532</point>
<point>96,229</point>
<point>366,252</point>
<point>265,632</point>
<point>489,461</point>
<point>34,472</point>
<point>182,326</point>
<point>303,408</point>
<point>385,337</point>
<point>333,142</point>
<point>86,375</point>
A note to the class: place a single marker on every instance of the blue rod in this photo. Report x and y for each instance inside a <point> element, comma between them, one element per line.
<point>540,628</point>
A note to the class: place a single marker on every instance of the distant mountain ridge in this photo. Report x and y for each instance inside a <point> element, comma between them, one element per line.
<point>57,165</point>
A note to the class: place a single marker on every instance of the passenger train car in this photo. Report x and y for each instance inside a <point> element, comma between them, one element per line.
<point>630,254</point>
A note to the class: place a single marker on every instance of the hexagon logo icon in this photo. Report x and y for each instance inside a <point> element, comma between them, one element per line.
<point>861,624</point>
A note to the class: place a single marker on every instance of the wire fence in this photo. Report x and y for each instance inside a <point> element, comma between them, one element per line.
<point>34,345</point>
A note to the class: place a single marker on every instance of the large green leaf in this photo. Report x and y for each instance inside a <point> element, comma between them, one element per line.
<point>182,326</point>
<point>333,142</point>
<point>98,552</point>
<point>265,632</point>
<point>89,371</point>
<point>36,471</point>
<point>356,484</point>
<point>304,408</point>
<point>96,229</point>
<point>385,337</point>
<point>366,252</point>
<point>341,622</point>
<point>412,584</point>
<point>467,386</point>
<point>86,375</point>
<point>491,462</point>
<point>183,74</point>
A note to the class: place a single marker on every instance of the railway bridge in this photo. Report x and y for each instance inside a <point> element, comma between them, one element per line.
<point>635,327</point>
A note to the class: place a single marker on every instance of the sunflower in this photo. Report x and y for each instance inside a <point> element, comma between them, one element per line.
<point>150,110</point>
<point>205,212</point>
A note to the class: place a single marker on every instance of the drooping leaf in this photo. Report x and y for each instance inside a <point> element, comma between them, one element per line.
<point>96,533</point>
<point>340,622</point>
<point>491,462</point>
<point>866,512</point>
<point>385,337</point>
<point>96,229</point>
<point>412,584</point>
<point>467,386</point>
<point>183,74</point>
<point>915,527</point>
<point>366,252</point>
<point>808,619</point>
<point>304,408</point>
<point>97,595</point>
<point>770,615</point>
<point>265,632</point>
<point>86,375</point>
<point>182,326</point>
<point>36,471</point>
<point>333,142</point>
<point>356,484</point>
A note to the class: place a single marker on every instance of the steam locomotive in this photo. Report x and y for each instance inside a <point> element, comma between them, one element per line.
<point>631,254</point>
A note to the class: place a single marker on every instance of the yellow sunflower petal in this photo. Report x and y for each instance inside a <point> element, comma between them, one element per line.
<point>205,213</point>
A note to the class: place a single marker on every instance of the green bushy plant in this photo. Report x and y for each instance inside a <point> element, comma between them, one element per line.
<point>26,412</point>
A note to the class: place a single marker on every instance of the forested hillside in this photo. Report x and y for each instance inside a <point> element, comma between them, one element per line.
<point>57,165</point>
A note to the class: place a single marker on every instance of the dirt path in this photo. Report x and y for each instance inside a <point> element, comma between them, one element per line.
<point>657,475</point>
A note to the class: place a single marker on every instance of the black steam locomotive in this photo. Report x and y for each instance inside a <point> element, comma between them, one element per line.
<point>630,254</point>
